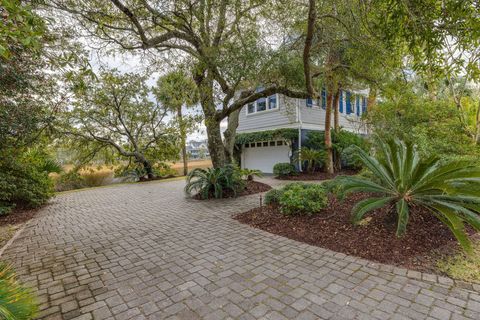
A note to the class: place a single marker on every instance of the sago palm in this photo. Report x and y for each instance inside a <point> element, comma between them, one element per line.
<point>312,157</point>
<point>16,302</point>
<point>402,179</point>
<point>213,181</point>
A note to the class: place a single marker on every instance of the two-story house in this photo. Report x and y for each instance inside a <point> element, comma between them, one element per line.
<point>278,111</point>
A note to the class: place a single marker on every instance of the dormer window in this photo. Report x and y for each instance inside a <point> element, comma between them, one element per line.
<point>263,104</point>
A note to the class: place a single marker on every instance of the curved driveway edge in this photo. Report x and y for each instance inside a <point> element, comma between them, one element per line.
<point>143,251</point>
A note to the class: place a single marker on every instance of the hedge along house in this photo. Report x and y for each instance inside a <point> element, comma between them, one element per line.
<point>271,129</point>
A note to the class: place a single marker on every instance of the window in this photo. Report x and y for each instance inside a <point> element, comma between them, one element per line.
<point>309,102</point>
<point>340,102</point>
<point>259,144</point>
<point>247,145</point>
<point>357,105</point>
<point>272,102</point>
<point>251,107</point>
<point>272,143</point>
<point>324,98</point>
<point>348,102</point>
<point>279,143</point>
<point>265,144</point>
<point>263,104</point>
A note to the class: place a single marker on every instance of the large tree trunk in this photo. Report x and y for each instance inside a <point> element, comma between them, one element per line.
<point>147,166</point>
<point>183,138</point>
<point>215,144</point>
<point>230,134</point>
<point>336,126</point>
<point>328,126</point>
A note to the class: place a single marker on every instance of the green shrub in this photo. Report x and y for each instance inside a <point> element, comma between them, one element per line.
<point>214,182</point>
<point>342,143</point>
<point>69,181</point>
<point>16,302</point>
<point>403,179</point>
<point>163,170</point>
<point>23,183</point>
<point>301,198</point>
<point>284,169</point>
<point>273,196</point>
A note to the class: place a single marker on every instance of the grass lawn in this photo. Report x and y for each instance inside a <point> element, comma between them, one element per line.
<point>462,266</point>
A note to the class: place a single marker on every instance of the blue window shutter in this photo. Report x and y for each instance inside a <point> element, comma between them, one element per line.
<point>309,102</point>
<point>364,104</point>
<point>349,103</point>
<point>340,102</point>
<point>357,107</point>
<point>324,98</point>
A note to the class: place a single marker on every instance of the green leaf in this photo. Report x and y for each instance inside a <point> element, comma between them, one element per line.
<point>402,211</point>
<point>367,205</point>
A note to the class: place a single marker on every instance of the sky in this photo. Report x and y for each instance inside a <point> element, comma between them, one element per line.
<point>126,62</point>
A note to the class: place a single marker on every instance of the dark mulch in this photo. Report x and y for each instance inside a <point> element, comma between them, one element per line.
<point>317,175</point>
<point>145,179</point>
<point>17,216</point>
<point>418,249</point>
<point>251,187</point>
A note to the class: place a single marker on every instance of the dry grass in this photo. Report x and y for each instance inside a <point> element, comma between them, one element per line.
<point>97,177</point>
<point>192,164</point>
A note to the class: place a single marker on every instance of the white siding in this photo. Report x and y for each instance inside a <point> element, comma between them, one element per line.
<point>283,117</point>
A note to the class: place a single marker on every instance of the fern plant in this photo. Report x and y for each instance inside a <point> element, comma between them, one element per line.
<point>401,178</point>
<point>214,181</point>
<point>16,302</point>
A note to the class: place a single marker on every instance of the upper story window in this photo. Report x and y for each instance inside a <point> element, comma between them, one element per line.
<point>272,102</point>
<point>263,104</point>
<point>309,102</point>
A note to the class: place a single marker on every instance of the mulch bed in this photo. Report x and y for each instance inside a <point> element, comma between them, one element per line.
<point>426,237</point>
<point>317,175</point>
<point>251,187</point>
<point>17,216</point>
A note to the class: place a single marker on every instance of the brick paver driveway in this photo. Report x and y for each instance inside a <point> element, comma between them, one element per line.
<point>144,251</point>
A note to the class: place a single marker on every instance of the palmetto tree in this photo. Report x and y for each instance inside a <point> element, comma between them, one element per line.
<point>401,178</point>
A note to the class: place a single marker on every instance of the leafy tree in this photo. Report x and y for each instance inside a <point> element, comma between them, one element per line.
<point>175,90</point>
<point>222,40</point>
<point>403,179</point>
<point>116,116</point>
<point>433,125</point>
<point>20,27</point>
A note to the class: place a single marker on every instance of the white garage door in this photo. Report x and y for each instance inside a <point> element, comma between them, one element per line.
<point>264,155</point>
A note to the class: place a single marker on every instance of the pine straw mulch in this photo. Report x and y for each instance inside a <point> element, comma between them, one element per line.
<point>425,241</point>
<point>251,187</point>
<point>317,175</point>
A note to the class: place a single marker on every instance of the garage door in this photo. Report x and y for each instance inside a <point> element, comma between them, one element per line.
<point>264,155</point>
